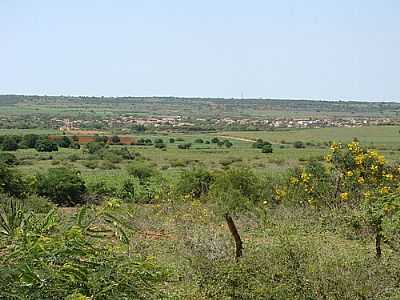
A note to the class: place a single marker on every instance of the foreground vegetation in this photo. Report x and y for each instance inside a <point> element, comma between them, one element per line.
<point>112,222</point>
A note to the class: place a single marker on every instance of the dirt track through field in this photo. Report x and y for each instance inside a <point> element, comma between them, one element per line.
<point>236,138</point>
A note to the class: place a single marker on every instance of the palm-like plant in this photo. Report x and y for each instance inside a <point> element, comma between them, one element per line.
<point>12,216</point>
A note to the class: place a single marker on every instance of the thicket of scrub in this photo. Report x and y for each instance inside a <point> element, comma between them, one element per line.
<point>324,231</point>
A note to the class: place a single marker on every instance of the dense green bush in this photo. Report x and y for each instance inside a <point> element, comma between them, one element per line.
<point>8,158</point>
<point>47,260</point>
<point>9,143</point>
<point>63,186</point>
<point>142,170</point>
<point>12,182</point>
<point>43,144</point>
<point>95,147</point>
<point>195,182</point>
<point>237,188</point>
<point>185,146</point>
<point>299,145</point>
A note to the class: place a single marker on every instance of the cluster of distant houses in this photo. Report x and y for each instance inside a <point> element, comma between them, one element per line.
<point>178,121</point>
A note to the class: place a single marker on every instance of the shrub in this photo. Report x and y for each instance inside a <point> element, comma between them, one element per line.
<point>8,158</point>
<point>228,144</point>
<point>195,182</point>
<point>111,156</point>
<point>171,140</point>
<point>115,139</point>
<point>9,144</point>
<point>299,145</point>
<point>90,164</point>
<point>29,140</point>
<point>11,182</point>
<point>184,146</point>
<point>63,186</point>
<point>267,148</point>
<point>236,189</point>
<point>73,157</point>
<point>43,144</point>
<point>142,170</point>
<point>66,262</point>
<point>65,142</point>
<point>95,147</point>
<point>198,141</point>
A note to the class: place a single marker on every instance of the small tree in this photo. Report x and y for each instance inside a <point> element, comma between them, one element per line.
<point>63,186</point>
<point>11,182</point>
<point>267,148</point>
<point>299,145</point>
<point>228,143</point>
<point>65,142</point>
<point>142,170</point>
<point>45,145</point>
<point>115,139</point>
<point>9,144</point>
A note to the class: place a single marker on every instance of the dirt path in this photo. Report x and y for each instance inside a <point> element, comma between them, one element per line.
<point>236,138</point>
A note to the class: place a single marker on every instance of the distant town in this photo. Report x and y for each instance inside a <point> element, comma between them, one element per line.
<point>171,122</point>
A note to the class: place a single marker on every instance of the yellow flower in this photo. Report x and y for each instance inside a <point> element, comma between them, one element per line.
<point>349,173</point>
<point>367,194</point>
<point>359,159</point>
<point>305,176</point>
<point>354,147</point>
<point>374,168</point>
<point>280,194</point>
<point>328,158</point>
<point>293,180</point>
<point>372,153</point>
<point>335,146</point>
<point>384,190</point>
<point>344,196</point>
<point>388,177</point>
<point>381,159</point>
<point>360,180</point>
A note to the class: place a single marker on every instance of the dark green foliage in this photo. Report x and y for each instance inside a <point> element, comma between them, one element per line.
<point>65,142</point>
<point>228,144</point>
<point>43,144</point>
<point>260,144</point>
<point>101,139</point>
<point>49,260</point>
<point>171,140</point>
<point>12,182</point>
<point>198,141</point>
<point>8,158</point>
<point>236,189</point>
<point>299,145</point>
<point>195,182</point>
<point>29,140</point>
<point>159,143</point>
<point>267,148</point>
<point>184,146</point>
<point>12,216</point>
<point>214,140</point>
<point>115,139</point>
<point>95,147</point>
<point>124,153</point>
<point>9,143</point>
<point>63,186</point>
<point>142,170</point>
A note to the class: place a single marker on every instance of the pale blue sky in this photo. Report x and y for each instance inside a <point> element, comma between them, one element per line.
<point>316,49</point>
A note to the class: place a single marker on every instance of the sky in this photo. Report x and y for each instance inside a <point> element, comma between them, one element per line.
<point>330,49</point>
